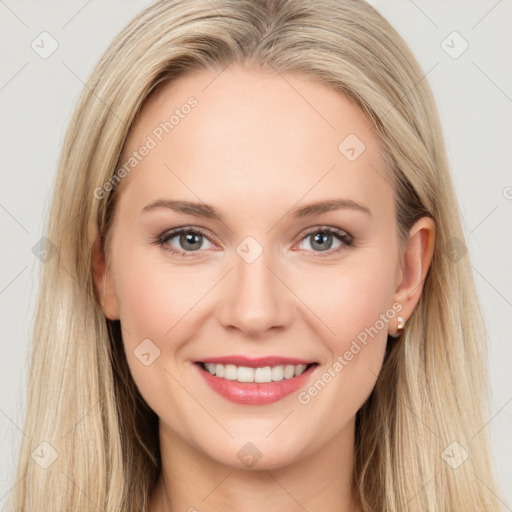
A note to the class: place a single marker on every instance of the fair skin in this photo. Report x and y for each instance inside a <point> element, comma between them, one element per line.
<point>255,150</point>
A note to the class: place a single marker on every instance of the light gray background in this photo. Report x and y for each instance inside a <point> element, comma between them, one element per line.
<point>474,95</point>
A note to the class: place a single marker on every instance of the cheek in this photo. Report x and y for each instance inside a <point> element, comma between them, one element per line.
<point>350,300</point>
<point>365,309</point>
<point>354,310</point>
<point>158,304</point>
<point>155,297</point>
<point>152,309</point>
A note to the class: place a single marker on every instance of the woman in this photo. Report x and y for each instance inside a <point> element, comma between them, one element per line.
<point>311,339</point>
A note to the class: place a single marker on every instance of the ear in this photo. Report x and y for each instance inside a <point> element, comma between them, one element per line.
<point>416,259</point>
<point>103,280</point>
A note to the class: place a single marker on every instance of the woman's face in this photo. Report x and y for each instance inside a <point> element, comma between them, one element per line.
<point>267,276</point>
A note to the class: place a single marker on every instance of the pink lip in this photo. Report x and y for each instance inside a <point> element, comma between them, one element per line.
<point>255,393</point>
<point>257,362</point>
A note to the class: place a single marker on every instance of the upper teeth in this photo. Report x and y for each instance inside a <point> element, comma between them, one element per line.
<point>246,374</point>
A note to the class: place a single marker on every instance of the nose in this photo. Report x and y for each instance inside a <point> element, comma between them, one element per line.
<point>255,299</point>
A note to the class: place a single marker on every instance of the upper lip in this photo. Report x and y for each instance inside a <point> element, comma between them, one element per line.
<point>254,362</point>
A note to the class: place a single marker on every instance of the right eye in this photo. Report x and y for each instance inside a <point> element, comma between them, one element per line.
<point>189,240</point>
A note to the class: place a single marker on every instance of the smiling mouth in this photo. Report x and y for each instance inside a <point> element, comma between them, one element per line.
<point>265,374</point>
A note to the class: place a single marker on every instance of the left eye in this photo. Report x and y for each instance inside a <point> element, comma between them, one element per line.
<point>323,239</point>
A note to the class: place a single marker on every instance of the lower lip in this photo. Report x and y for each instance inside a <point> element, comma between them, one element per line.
<point>255,393</point>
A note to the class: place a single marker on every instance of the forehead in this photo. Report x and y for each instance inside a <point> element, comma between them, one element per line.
<point>262,136</point>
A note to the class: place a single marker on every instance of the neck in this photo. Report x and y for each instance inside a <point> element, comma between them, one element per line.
<point>191,481</point>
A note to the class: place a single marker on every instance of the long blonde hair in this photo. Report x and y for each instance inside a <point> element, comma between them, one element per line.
<point>431,391</point>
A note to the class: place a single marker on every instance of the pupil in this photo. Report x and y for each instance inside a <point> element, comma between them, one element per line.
<point>322,238</point>
<point>191,241</point>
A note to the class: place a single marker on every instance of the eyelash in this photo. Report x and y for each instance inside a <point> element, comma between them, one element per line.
<point>346,239</point>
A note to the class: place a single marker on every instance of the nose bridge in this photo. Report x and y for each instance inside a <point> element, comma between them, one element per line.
<point>256,301</point>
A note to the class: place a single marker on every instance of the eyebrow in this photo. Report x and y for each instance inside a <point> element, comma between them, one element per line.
<point>207,211</point>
